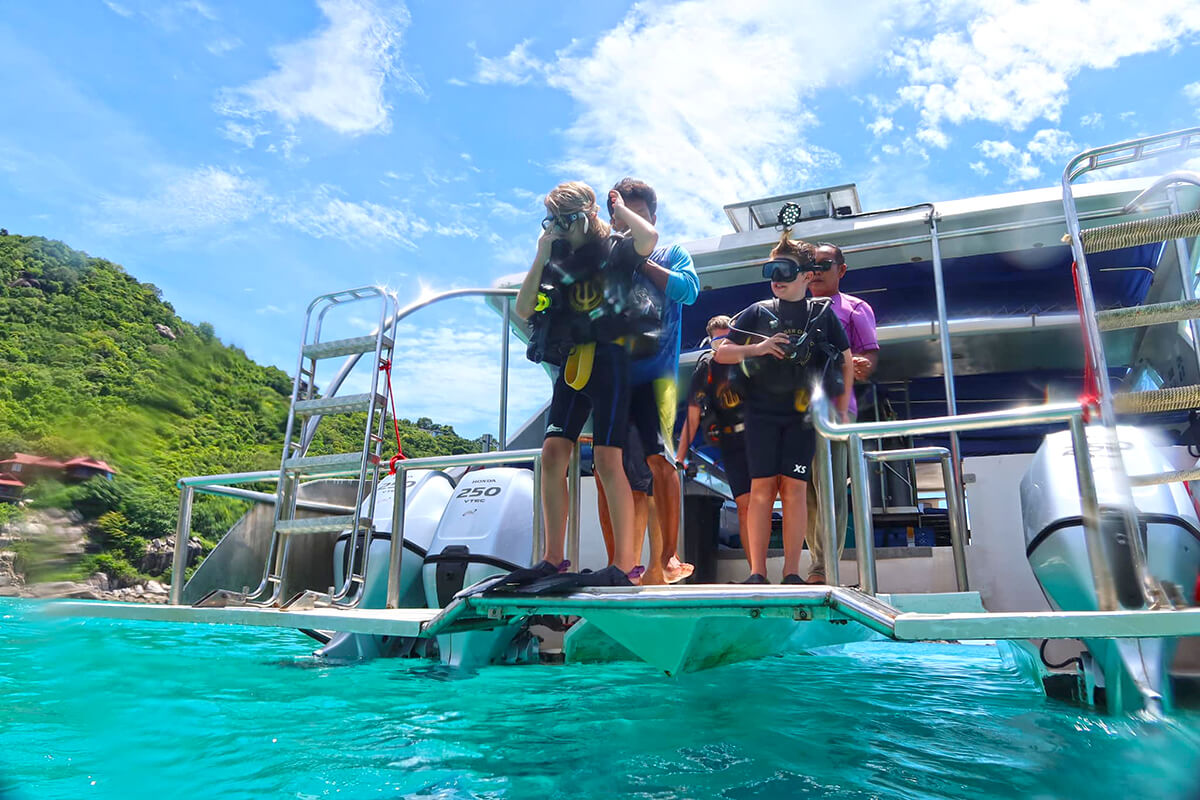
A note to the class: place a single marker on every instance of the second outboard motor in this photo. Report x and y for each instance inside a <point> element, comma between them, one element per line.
<point>426,494</point>
<point>487,529</point>
<point>1057,549</point>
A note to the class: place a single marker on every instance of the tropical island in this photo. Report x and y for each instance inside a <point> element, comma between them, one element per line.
<point>96,368</point>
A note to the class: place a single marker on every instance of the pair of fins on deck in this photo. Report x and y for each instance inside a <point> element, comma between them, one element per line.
<point>548,579</point>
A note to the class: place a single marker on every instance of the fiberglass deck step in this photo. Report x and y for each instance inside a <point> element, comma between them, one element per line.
<point>336,462</point>
<point>347,404</point>
<point>319,524</point>
<point>344,347</point>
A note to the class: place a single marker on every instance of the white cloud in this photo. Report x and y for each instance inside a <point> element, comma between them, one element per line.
<point>245,135</point>
<point>269,309</point>
<point>881,125</point>
<point>190,201</point>
<point>336,77</point>
<point>219,47</point>
<point>119,9</point>
<point>1048,146</point>
<point>979,168</point>
<point>516,68</point>
<point>1091,120</point>
<point>1192,92</point>
<point>328,216</point>
<point>702,116</point>
<point>1014,61</point>
<point>1127,116</point>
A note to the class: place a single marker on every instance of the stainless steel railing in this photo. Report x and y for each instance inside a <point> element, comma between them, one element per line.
<point>853,435</point>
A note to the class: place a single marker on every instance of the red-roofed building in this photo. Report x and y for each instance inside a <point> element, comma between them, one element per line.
<point>10,488</point>
<point>26,467</point>
<point>83,468</point>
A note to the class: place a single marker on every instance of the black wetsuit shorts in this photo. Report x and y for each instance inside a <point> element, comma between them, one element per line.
<point>733,460</point>
<point>779,444</point>
<point>605,396</point>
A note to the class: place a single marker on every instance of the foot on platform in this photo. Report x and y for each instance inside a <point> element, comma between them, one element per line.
<point>677,570</point>
<point>755,578</point>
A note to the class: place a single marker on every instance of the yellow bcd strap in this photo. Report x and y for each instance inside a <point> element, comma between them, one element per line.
<point>578,368</point>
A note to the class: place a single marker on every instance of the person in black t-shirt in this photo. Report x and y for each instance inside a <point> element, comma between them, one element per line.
<point>585,266</point>
<point>784,345</point>
<point>716,407</point>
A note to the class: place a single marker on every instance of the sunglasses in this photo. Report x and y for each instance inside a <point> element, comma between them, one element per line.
<point>784,270</point>
<point>563,222</point>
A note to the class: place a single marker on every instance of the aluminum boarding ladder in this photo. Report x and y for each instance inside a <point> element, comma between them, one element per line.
<point>1116,516</point>
<point>297,464</point>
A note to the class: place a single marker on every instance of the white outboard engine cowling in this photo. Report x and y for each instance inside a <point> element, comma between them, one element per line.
<point>1057,548</point>
<point>426,494</point>
<point>487,529</point>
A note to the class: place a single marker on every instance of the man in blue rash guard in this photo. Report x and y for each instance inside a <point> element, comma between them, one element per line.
<point>670,276</point>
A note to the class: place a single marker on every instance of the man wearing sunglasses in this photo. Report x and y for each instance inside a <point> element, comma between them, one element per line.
<point>669,275</point>
<point>858,318</point>
<point>784,344</point>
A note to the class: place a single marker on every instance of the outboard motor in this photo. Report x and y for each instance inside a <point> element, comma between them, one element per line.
<point>1057,549</point>
<point>426,494</point>
<point>487,529</point>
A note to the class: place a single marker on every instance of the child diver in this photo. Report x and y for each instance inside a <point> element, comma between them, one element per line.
<point>785,344</point>
<point>586,267</point>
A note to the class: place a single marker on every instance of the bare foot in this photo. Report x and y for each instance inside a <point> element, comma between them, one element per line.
<point>654,577</point>
<point>677,570</point>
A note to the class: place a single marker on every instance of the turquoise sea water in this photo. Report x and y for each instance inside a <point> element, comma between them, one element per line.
<point>100,709</point>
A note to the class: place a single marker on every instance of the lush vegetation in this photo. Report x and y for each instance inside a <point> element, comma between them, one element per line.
<point>85,371</point>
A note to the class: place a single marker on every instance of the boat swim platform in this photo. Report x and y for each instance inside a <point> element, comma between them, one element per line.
<point>693,627</point>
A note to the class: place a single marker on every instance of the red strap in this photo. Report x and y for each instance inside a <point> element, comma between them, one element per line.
<point>386,366</point>
<point>1090,399</point>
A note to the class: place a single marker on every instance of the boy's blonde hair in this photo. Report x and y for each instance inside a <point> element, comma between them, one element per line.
<point>803,252</point>
<point>719,321</point>
<point>572,196</point>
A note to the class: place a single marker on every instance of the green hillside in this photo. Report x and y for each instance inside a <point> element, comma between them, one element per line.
<point>84,371</point>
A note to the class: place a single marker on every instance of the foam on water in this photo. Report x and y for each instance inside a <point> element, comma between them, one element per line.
<point>93,708</point>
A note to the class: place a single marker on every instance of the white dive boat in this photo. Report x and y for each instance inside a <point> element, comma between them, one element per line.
<point>1017,532</point>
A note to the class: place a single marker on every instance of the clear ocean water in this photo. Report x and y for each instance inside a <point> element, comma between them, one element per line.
<point>101,709</point>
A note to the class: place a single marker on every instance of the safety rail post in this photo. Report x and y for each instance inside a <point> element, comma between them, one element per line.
<point>1187,278</point>
<point>939,285</point>
<point>826,499</point>
<point>539,531</point>
<point>183,533</point>
<point>573,470</point>
<point>395,552</point>
<point>1089,505</point>
<point>956,518</point>
<point>505,333</point>
<point>864,537</point>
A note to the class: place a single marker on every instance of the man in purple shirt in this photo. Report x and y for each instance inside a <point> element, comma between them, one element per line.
<point>858,319</point>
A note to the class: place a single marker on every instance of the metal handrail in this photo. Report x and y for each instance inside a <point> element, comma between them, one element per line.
<point>854,433</point>
<point>399,497</point>
<point>310,428</point>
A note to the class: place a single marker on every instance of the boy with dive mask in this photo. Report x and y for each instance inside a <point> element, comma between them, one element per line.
<point>784,344</point>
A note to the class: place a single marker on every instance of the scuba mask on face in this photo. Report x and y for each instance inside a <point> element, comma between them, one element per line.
<point>563,222</point>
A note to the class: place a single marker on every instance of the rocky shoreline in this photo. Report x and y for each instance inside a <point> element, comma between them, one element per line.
<point>63,537</point>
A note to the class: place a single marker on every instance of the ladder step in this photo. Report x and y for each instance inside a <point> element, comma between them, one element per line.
<point>319,524</point>
<point>337,462</point>
<point>344,347</point>
<point>1136,316</point>
<point>1140,231</point>
<point>1174,398</point>
<point>347,404</point>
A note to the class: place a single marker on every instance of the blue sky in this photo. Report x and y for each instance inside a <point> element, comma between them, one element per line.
<point>245,157</point>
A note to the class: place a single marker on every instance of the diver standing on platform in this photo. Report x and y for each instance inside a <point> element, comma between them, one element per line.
<point>785,345</point>
<point>579,286</point>
<point>669,276</point>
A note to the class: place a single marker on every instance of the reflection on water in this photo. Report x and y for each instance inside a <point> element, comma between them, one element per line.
<point>93,708</point>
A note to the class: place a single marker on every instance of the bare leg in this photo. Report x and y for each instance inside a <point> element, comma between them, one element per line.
<point>795,519</point>
<point>646,516</point>
<point>666,495</point>
<point>758,522</point>
<point>608,467</point>
<point>606,528</point>
<point>743,511</point>
<point>556,454</point>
